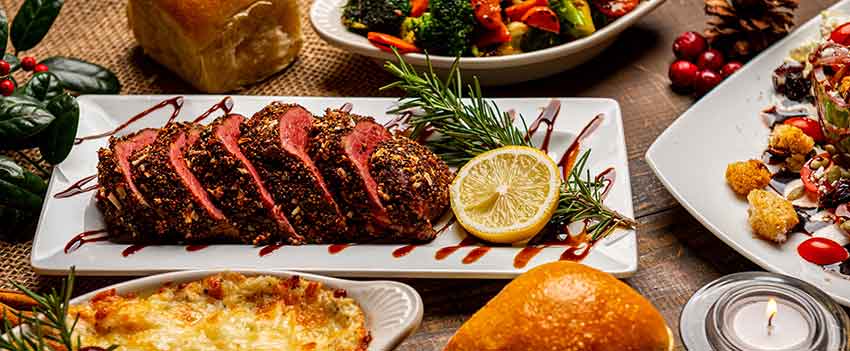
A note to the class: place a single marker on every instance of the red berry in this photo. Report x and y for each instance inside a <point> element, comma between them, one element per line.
<point>841,34</point>
<point>5,68</point>
<point>710,59</point>
<point>40,68</point>
<point>730,67</point>
<point>682,74</point>
<point>28,63</point>
<point>689,45</point>
<point>7,87</point>
<point>706,80</point>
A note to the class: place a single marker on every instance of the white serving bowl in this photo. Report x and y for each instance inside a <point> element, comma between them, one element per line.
<point>498,70</point>
<point>393,310</point>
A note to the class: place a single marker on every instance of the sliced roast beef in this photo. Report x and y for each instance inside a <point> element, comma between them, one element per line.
<point>413,185</point>
<point>180,202</point>
<point>118,197</point>
<point>275,140</point>
<point>341,145</point>
<point>234,184</point>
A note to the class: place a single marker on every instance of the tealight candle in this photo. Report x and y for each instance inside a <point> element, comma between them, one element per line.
<point>756,311</point>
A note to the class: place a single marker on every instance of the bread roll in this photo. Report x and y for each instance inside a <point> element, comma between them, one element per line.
<point>564,306</point>
<point>218,45</point>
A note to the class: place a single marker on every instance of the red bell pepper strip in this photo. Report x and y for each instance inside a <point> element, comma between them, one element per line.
<point>543,18</point>
<point>386,41</point>
<point>418,7</point>
<point>488,13</point>
<point>516,12</point>
<point>493,37</point>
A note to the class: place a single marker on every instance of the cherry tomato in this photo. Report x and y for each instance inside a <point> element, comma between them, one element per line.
<point>822,251</point>
<point>809,126</point>
<point>543,18</point>
<point>806,172</point>
<point>615,8</point>
<point>841,34</point>
<point>488,13</point>
<point>515,12</point>
<point>493,37</point>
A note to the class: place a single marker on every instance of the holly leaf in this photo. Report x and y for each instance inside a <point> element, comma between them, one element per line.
<point>33,21</point>
<point>11,172</point>
<point>4,32</point>
<point>44,86</point>
<point>21,121</point>
<point>56,141</point>
<point>83,77</point>
<point>19,99</point>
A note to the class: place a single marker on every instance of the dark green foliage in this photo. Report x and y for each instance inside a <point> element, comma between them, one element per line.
<point>83,77</point>
<point>33,21</point>
<point>385,16</point>
<point>537,39</point>
<point>447,28</point>
<point>56,141</point>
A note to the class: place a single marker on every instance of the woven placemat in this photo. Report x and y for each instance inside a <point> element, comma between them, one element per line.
<point>97,31</point>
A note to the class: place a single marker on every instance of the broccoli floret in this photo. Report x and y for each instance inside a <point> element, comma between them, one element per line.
<point>408,29</point>
<point>447,28</point>
<point>536,39</point>
<point>385,16</point>
<point>575,17</point>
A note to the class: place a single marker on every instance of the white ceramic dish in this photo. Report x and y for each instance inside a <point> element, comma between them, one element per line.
<point>690,158</point>
<point>62,218</point>
<point>325,16</point>
<point>393,310</point>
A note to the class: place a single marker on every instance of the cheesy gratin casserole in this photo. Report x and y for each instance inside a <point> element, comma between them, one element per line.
<point>227,311</point>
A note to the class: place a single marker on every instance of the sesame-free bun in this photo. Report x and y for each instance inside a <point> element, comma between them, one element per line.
<point>564,306</point>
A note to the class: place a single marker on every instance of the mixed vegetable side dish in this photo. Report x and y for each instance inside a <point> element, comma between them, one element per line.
<point>478,27</point>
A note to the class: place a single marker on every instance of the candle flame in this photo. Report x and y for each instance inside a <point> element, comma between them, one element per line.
<point>770,311</point>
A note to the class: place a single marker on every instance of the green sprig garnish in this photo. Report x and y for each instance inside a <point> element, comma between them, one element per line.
<point>465,130</point>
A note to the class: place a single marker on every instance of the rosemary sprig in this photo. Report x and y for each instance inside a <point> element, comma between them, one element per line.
<point>465,130</point>
<point>47,328</point>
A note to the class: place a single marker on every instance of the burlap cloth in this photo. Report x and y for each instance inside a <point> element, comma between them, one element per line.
<point>97,31</point>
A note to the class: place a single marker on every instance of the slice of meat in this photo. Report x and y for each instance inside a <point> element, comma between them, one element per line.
<point>413,184</point>
<point>235,185</point>
<point>181,202</point>
<point>126,212</point>
<point>275,140</point>
<point>341,145</point>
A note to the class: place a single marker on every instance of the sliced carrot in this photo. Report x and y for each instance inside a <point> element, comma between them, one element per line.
<point>488,13</point>
<point>386,42</point>
<point>418,7</point>
<point>493,37</point>
<point>516,12</point>
<point>543,18</point>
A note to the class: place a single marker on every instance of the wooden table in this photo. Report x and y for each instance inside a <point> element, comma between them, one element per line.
<point>677,255</point>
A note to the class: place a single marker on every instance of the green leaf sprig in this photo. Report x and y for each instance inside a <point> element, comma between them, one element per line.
<point>465,130</point>
<point>41,112</point>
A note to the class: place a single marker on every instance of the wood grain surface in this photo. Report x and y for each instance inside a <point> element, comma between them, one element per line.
<point>677,255</point>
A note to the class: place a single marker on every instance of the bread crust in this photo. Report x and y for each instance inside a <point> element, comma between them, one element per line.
<point>564,306</point>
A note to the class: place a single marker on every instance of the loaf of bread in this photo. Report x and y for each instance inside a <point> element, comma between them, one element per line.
<point>564,306</point>
<point>218,45</point>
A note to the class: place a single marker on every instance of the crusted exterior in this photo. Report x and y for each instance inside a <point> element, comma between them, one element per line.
<point>128,216</point>
<point>791,139</point>
<point>295,187</point>
<point>177,207</point>
<point>413,184</point>
<point>771,216</point>
<point>341,175</point>
<point>746,176</point>
<point>232,188</point>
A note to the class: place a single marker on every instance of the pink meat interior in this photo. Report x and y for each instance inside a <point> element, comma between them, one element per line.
<point>228,133</point>
<point>175,156</point>
<point>359,145</point>
<point>294,126</point>
<point>125,149</point>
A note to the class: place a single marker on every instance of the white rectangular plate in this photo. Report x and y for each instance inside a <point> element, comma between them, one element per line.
<point>690,158</point>
<point>63,218</point>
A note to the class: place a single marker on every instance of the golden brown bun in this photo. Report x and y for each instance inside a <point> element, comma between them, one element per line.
<point>218,45</point>
<point>564,306</point>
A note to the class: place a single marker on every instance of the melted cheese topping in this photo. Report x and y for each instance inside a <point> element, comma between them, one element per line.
<point>226,312</point>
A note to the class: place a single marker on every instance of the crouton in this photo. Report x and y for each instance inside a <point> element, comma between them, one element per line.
<point>746,176</point>
<point>790,139</point>
<point>771,216</point>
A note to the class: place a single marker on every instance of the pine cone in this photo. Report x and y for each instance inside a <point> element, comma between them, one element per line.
<point>743,28</point>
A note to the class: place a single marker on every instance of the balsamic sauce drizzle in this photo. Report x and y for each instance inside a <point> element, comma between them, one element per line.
<point>176,103</point>
<point>77,188</point>
<point>85,237</point>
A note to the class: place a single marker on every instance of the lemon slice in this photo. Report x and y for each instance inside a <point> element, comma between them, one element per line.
<point>507,194</point>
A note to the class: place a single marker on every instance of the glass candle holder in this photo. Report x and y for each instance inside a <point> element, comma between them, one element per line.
<point>762,311</point>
